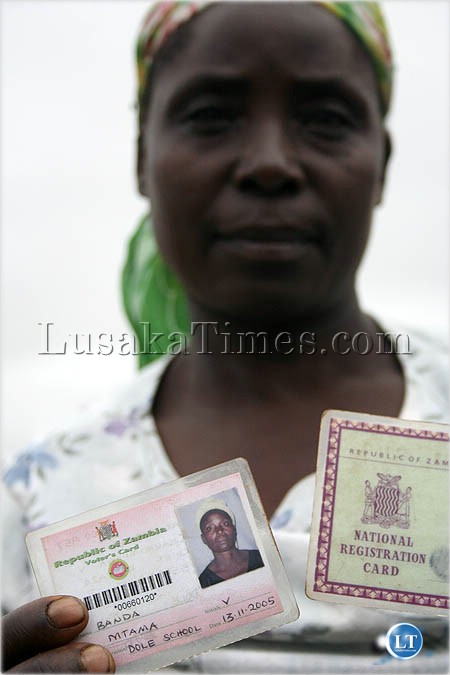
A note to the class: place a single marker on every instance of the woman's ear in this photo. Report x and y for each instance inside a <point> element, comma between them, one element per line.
<point>141,162</point>
<point>387,151</point>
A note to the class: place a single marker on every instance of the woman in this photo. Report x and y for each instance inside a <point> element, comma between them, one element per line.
<point>263,154</point>
<point>218,527</point>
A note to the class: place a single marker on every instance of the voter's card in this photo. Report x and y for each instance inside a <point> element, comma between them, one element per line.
<point>171,572</point>
<point>380,532</point>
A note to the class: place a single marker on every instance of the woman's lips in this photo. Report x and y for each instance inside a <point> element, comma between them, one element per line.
<point>223,541</point>
<point>269,242</point>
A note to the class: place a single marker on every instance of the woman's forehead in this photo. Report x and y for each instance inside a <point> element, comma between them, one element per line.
<point>279,39</point>
<point>216,514</point>
<point>304,24</point>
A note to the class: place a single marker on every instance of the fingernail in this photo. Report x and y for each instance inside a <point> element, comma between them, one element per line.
<point>66,612</point>
<point>97,660</point>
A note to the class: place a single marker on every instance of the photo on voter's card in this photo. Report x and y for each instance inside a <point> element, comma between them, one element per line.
<point>219,538</point>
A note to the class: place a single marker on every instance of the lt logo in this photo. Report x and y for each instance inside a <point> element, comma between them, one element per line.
<point>404,641</point>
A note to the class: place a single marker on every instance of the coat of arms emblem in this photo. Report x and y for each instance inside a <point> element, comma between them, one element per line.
<point>386,504</point>
<point>106,530</point>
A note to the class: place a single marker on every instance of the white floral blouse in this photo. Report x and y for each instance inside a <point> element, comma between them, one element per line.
<point>114,450</point>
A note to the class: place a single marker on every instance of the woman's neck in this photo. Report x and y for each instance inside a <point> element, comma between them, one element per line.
<point>246,353</point>
<point>225,560</point>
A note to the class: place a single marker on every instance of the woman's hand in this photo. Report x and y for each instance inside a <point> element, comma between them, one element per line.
<point>36,639</point>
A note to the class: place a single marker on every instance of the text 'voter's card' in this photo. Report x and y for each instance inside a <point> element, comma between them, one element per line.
<point>380,533</point>
<point>170,572</point>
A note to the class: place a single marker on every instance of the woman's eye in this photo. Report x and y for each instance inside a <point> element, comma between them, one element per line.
<point>210,119</point>
<point>325,122</point>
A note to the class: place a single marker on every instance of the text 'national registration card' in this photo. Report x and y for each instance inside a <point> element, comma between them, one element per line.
<point>171,572</point>
<point>380,534</point>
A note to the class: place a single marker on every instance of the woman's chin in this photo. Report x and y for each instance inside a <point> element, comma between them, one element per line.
<point>268,306</point>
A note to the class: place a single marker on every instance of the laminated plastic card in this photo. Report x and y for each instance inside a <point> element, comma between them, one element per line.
<point>380,532</point>
<point>142,566</point>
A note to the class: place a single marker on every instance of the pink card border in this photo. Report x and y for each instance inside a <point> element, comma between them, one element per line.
<point>321,583</point>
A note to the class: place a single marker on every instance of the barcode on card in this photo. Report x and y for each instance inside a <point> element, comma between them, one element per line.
<point>128,590</point>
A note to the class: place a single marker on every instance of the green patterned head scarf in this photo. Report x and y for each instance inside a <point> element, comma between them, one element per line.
<point>154,300</point>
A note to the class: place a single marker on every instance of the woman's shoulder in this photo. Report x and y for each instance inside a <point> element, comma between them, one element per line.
<point>424,358</point>
<point>110,450</point>
<point>254,560</point>
<point>208,578</point>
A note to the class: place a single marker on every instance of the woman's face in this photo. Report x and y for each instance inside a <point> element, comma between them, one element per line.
<point>218,531</point>
<point>264,156</point>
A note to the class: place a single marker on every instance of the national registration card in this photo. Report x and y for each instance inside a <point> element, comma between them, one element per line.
<point>380,532</point>
<point>152,568</point>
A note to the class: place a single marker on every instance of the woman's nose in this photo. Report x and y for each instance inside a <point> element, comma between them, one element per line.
<point>267,165</point>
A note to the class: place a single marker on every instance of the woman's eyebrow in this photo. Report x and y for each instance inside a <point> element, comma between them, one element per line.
<point>308,88</point>
<point>330,87</point>
<point>215,84</point>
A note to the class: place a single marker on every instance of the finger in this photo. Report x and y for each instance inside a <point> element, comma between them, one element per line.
<point>41,625</point>
<point>74,658</point>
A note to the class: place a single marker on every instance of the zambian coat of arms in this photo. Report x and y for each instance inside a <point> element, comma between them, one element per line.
<point>386,504</point>
<point>106,530</point>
